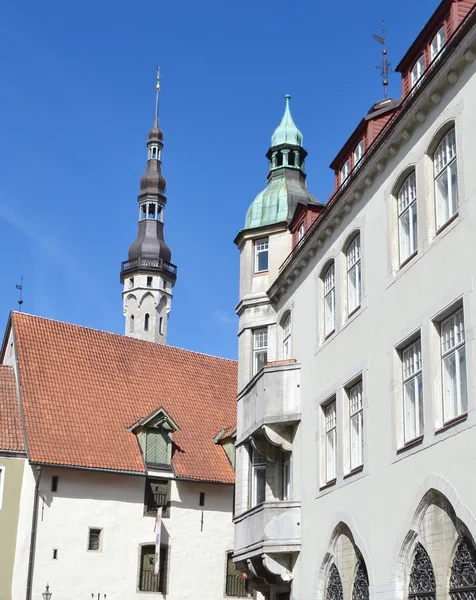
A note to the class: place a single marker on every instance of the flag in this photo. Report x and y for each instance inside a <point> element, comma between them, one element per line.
<point>158,525</point>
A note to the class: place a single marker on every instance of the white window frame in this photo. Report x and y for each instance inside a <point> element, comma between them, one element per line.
<point>2,483</point>
<point>260,346</point>
<point>287,337</point>
<point>261,247</point>
<point>354,275</point>
<point>412,391</point>
<point>417,70</point>
<point>286,476</point>
<point>356,425</point>
<point>300,232</point>
<point>453,348</point>
<point>329,300</point>
<point>345,171</point>
<point>437,43</point>
<point>358,152</point>
<point>407,218</point>
<point>445,170</point>
<point>258,464</point>
<point>330,422</point>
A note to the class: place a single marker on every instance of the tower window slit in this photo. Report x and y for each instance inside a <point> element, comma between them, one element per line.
<point>146,322</point>
<point>131,323</point>
<point>280,159</point>
<point>149,281</point>
<point>154,152</point>
<point>161,325</point>
<point>291,159</point>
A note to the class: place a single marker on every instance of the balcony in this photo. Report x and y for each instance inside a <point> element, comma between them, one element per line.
<point>154,265</point>
<point>271,527</point>
<point>271,397</point>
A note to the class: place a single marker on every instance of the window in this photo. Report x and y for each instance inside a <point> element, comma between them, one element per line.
<point>331,441</point>
<point>356,416</point>
<point>131,324</point>
<point>157,494</point>
<point>287,337</point>
<point>131,282</point>
<point>358,152</point>
<point>2,484</point>
<point>143,211</point>
<point>157,448</point>
<point>354,275</point>
<point>54,483</point>
<point>148,580</point>
<point>55,554</point>
<point>422,585</point>
<point>286,495</point>
<point>300,232</point>
<point>149,281</point>
<point>437,43</point>
<point>258,478</point>
<point>235,584</point>
<point>453,364</point>
<point>95,539</point>
<point>334,585</point>
<point>417,71</point>
<point>345,171</point>
<point>146,321</point>
<point>261,255</point>
<point>152,210</point>
<point>161,326</point>
<point>329,301</point>
<point>412,391</point>
<point>201,501</point>
<point>446,183</point>
<point>463,571</point>
<point>407,218</point>
<point>260,349</point>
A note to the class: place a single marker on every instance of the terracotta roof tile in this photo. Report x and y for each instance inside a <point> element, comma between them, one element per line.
<point>83,388</point>
<point>11,434</point>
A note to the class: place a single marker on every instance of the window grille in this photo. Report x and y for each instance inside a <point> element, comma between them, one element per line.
<point>412,391</point>
<point>453,358</point>
<point>360,590</point>
<point>331,441</point>
<point>261,255</point>
<point>157,493</point>
<point>463,571</point>
<point>356,415</point>
<point>148,580</point>
<point>354,275</point>
<point>235,584</point>
<point>329,300</point>
<point>334,585</point>
<point>407,218</point>
<point>446,179</point>
<point>94,543</point>
<point>422,578</point>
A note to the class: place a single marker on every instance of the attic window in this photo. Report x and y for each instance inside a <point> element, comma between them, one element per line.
<point>358,152</point>
<point>157,446</point>
<point>417,71</point>
<point>345,171</point>
<point>437,43</point>
<point>301,232</point>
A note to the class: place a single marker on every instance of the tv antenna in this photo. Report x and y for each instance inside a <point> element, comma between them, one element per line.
<point>20,287</point>
<point>385,65</point>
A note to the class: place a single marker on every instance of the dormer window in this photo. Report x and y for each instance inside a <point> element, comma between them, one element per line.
<point>300,232</point>
<point>358,152</point>
<point>417,71</point>
<point>437,43</point>
<point>345,171</point>
<point>155,438</point>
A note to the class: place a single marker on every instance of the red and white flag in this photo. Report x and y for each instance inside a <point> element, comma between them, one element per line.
<point>158,526</point>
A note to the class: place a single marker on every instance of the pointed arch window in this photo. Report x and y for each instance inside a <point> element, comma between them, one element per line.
<point>422,577</point>
<point>334,585</point>
<point>360,591</point>
<point>463,572</point>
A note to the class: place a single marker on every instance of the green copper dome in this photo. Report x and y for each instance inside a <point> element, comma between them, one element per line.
<point>287,132</point>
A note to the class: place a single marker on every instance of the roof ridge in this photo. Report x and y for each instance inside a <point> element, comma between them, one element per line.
<point>120,335</point>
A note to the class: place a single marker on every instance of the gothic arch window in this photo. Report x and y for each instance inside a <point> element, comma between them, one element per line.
<point>146,321</point>
<point>463,572</point>
<point>422,578</point>
<point>360,590</point>
<point>334,585</point>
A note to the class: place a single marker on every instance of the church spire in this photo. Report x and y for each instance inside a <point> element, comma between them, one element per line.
<point>148,275</point>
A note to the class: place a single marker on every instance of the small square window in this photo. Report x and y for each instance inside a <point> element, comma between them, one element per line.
<point>95,539</point>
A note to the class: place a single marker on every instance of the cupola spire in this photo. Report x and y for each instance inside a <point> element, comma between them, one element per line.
<point>287,132</point>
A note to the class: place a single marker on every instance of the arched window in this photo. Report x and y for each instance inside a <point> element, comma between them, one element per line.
<point>407,218</point>
<point>329,300</point>
<point>334,585</point>
<point>422,578</point>
<point>287,337</point>
<point>131,323</point>
<point>161,325</point>
<point>354,275</point>
<point>446,179</point>
<point>463,572</point>
<point>154,152</point>
<point>146,321</point>
<point>360,590</point>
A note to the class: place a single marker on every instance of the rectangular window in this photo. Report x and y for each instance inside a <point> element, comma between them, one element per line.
<point>235,584</point>
<point>331,441</point>
<point>354,275</point>
<point>437,43</point>
<point>149,281</point>
<point>258,478</point>
<point>417,71</point>
<point>345,171</point>
<point>301,232</point>
<point>358,152</point>
<point>148,580</point>
<point>446,181</point>
<point>286,495</point>
<point>329,301</point>
<point>407,218</point>
<point>54,483</point>
<point>201,500</point>
<point>412,391</point>
<point>287,338</point>
<point>95,539</point>
<point>356,425</point>
<point>157,493</point>
<point>260,349</point>
<point>453,364</point>
<point>261,255</point>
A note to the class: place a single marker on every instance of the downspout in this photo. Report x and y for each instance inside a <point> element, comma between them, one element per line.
<point>34,524</point>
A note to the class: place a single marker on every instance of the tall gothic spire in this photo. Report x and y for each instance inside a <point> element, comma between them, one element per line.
<point>148,275</point>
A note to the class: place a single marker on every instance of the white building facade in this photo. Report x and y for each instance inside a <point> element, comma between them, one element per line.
<point>354,461</point>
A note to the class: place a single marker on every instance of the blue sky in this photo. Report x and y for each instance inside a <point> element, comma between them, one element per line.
<point>77,93</point>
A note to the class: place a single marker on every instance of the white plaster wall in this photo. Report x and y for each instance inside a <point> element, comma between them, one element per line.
<point>113,502</point>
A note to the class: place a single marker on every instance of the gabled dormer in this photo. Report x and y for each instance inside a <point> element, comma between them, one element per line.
<point>154,434</point>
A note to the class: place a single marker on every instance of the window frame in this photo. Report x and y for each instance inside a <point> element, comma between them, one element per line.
<point>258,251</point>
<point>238,582</point>
<point>407,198</point>
<point>354,264</point>
<point>358,153</point>
<point>151,511</point>
<point>412,374</point>
<point>416,76</point>
<point>356,415</point>
<point>301,232</point>
<point>435,54</point>
<point>287,336</point>
<point>345,171</point>
<point>329,284</point>
<point>458,348</point>
<point>100,539</point>
<point>162,575</point>
<point>286,480</point>
<point>259,350</point>
<point>258,466</point>
<point>330,433</point>
<point>444,168</point>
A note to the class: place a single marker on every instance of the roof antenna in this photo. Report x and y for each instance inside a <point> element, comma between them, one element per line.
<point>20,287</point>
<point>157,87</point>
<point>385,65</point>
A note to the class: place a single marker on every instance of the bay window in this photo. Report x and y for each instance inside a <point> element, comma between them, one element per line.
<point>407,218</point>
<point>412,391</point>
<point>446,182</point>
<point>331,441</point>
<point>329,300</point>
<point>453,365</point>
<point>258,478</point>
<point>354,275</point>
<point>260,349</point>
<point>356,416</point>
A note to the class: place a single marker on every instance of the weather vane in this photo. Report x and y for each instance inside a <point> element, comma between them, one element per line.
<point>385,65</point>
<point>157,87</point>
<point>20,287</point>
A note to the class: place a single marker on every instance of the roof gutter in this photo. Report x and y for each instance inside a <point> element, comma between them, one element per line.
<point>34,525</point>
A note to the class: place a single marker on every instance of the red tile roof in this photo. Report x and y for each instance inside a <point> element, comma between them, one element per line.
<point>11,434</point>
<point>82,389</point>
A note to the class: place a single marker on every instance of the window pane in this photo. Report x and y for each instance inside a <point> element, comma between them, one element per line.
<point>329,313</point>
<point>354,288</point>
<point>463,386</point>
<point>263,261</point>
<point>356,440</point>
<point>331,453</point>
<point>449,387</point>
<point>260,483</point>
<point>453,208</point>
<point>442,199</point>
<point>261,360</point>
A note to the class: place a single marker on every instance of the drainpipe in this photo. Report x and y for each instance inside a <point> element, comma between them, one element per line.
<point>34,524</point>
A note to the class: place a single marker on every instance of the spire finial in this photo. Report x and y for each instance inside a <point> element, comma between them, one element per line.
<point>20,287</point>
<point>385,65</point>
<point>157,87</point>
